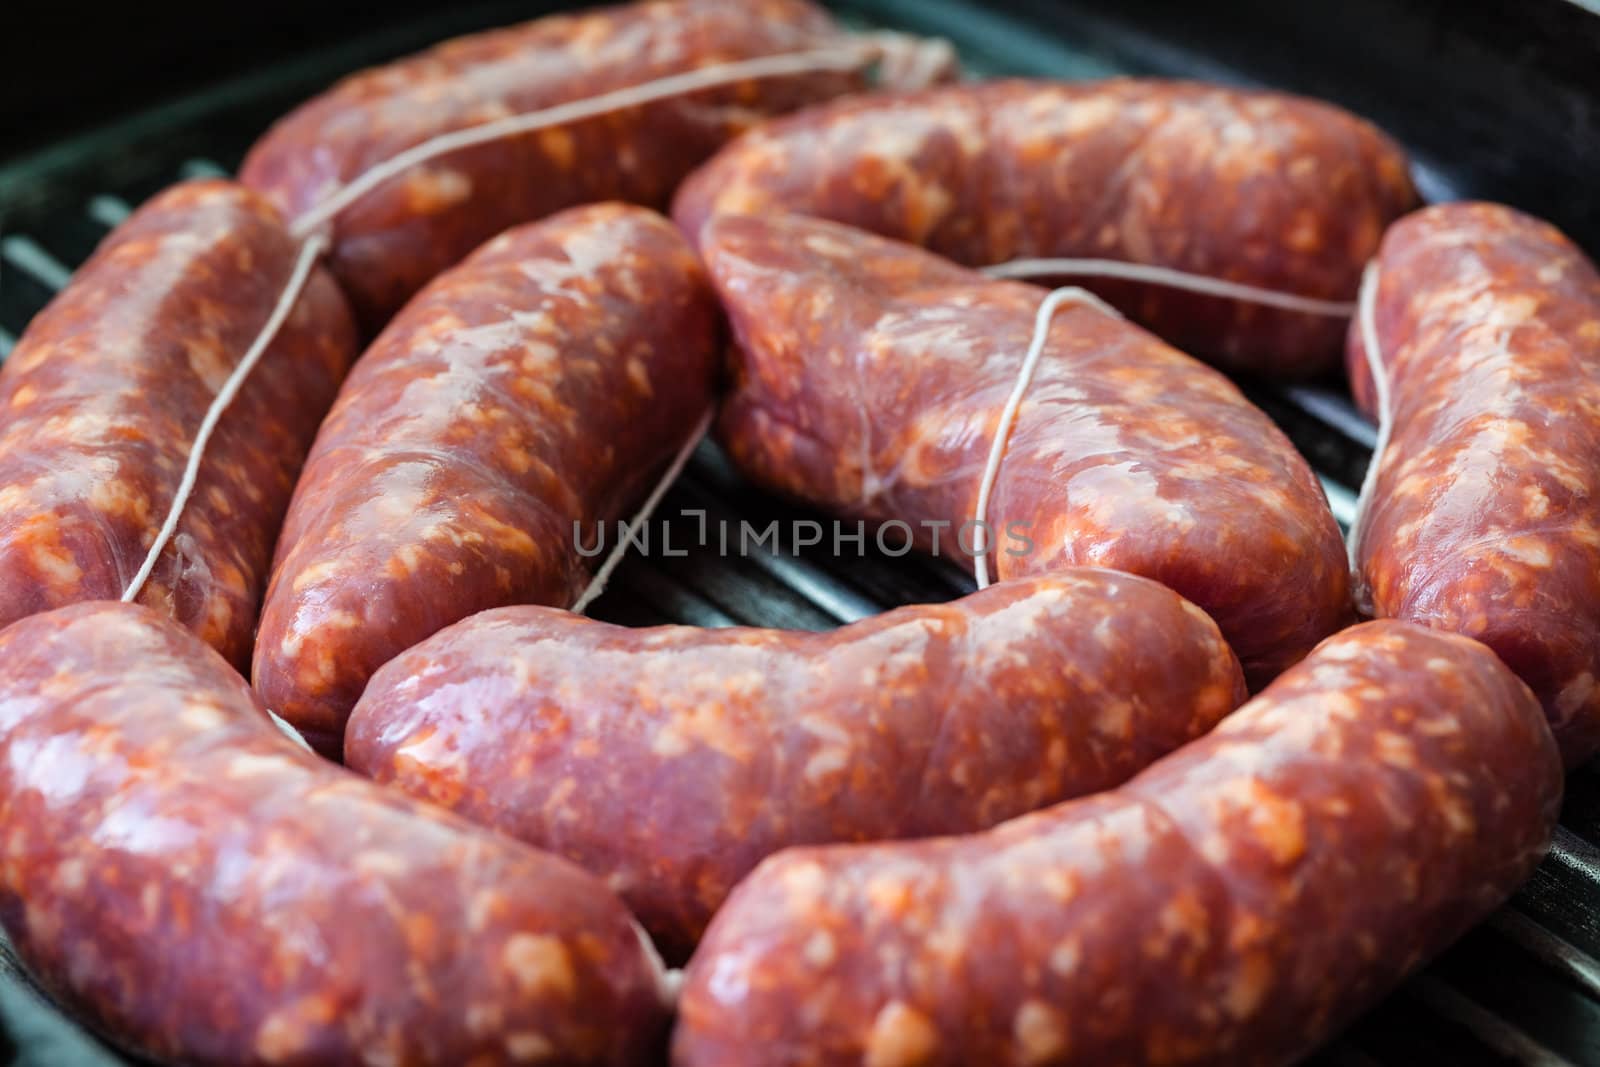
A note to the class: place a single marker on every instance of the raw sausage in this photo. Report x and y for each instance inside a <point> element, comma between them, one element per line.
<point>672,759</point>
<point>1251,186</point>
<point>538,386</point>
<point>1484,515</point>
<point>203,890</point>
<point>106,390</point>
<point>1233,905</point>
<point>387,245</point>
<point>870,378</point>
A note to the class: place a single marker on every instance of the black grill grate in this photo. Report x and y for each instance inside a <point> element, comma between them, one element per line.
<point>1523,988</point>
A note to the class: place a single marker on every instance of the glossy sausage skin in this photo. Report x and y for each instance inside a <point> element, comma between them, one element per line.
<point>1257,187</point>
<point>387,245</point>
<point>542,383</point>
<point>1233,905</point>
<point>105,391</point>
<point>673,759</point>
<point>1485,516</point>
<point>203,890</point>
<point>870,379</point>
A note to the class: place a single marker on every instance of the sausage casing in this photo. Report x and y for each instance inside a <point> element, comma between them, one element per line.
<point>870,377</point>
<point>1484,518</point>
<point>540,384</point>
<point>1233,905</point>
<point>672,759</point>
<point>391,242</point>
<point>1249,186</point>
<point>107,388</point>
<point>203,890</point>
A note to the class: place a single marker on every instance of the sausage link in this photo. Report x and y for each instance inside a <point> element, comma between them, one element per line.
<point>1250,186</point>
<point>1484,518</point>
<point>388,244</point>
<point>105,391</point>
<point>870,380</point>
<point>539,385</point>
<point>201,889</point>
<point>1233,905</point>
<point>672,759</point>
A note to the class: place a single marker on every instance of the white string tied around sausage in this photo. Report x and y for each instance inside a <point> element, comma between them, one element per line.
<point>1013,404</point>
<point>1366,320</point>
<point>1173,279</point>
<point>1107,268</point>
<point>298,276</point>
<point>847,56</point>
<point>1008,414</point>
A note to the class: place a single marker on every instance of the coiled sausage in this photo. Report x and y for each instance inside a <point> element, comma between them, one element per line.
<point>1249,186</point>
<point>535,388</point>
<point>201,889</point>
<point>391,242</point>
<point>1233,905</point>
<point>672,759</point>
<point>108,386</point>
<point>870,377</point>
<point>1483,516</point>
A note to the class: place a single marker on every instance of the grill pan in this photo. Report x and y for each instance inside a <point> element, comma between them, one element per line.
<point>1492,102</point>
